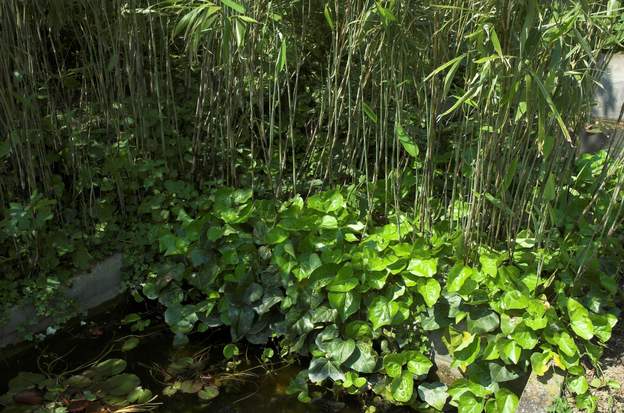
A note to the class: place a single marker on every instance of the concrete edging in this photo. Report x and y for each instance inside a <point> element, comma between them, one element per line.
<point>103,283</point>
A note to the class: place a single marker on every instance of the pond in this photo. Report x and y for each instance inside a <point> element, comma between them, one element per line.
<point>252,386</point>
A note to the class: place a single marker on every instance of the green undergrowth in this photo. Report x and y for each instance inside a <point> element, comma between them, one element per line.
<point>356,293</point>
<point>358,297</point>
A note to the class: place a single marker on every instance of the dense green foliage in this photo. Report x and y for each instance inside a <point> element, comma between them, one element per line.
<point>340,179</point>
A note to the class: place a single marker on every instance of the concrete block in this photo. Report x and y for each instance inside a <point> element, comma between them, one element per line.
<point>103,283</point>
<point>541,392</point>
<point>610,97</point>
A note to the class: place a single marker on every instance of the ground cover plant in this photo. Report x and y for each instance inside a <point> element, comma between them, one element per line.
<point>336,180</point>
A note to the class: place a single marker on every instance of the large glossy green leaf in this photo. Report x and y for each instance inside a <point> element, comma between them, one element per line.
<point>181,318</point>
<point>339,350</point>
<point>359,330</point>
<point>466,355</point>
<point>566,343</point>
<point>26,380</point>
<point>208,393</point>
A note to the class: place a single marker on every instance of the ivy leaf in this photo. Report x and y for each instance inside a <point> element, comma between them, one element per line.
<point>402,387</point>
<point>107,368</point>
<point>539,363</point>
<point>468,403</point>
<point>430,291</point>
<point>603,325</point>
<point>363,359</point>
<point>308,263</point>
<point>457,276</point>
<point>467,352</point>
<point>359,330</point>
<point>489,264</point>
<point>346,304</point>
<point>506,401</point>
<point>322,368</point>
<point>434,394</point>
<point>181,318</point>
<point>586,402</point>
<point>482,321</point>
<point>509,350</point>
<point>423,268</point>
<point>381,312</point>
<point>527,339</point>
<point>340,350</point>
<point>393,364</point>
<point>500,373</point>
<point>566,344</point>
<point>579,319</point>
<point>344,281</point>
<point>578,385</point>
<point>514,300</point>
<point>417,363</point>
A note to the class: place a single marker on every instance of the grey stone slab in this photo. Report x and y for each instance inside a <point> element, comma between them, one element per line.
<point>103,283</point>
<point>541,392</point>
<point>442,360</point>
<point>610,97</point>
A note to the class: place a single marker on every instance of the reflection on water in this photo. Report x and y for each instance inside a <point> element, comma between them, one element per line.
<point>265,393</point>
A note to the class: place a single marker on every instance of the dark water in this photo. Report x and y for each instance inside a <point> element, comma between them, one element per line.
<point>264,392</point>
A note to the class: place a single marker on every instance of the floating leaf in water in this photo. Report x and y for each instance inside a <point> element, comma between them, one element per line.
<point>190,386</point>
<point>107,368</point>
<point>79,381</point>
<point>121,385</point>
<point>25,380</point>
<point>208,393</point>
<point>140,395</point>
<point>130,344</point>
